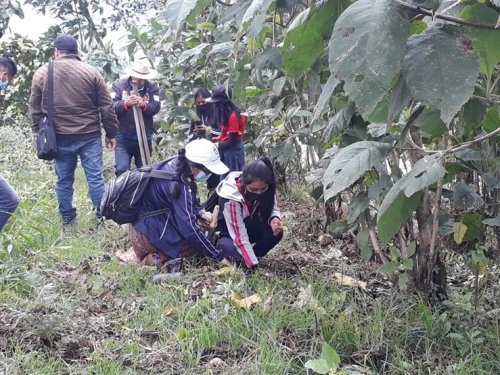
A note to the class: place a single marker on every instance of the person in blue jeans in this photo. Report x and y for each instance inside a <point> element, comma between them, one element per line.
<point>8,196</point>
<point>148,100</point>
<point>81,102</point>
<point>231,123</point>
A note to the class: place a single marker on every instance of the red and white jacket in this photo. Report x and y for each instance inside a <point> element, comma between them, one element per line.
<point>235,209</point>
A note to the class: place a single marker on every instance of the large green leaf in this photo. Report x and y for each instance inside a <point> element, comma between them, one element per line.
<point>331,356</point>
<point>395,210</point>
<point>362,239</point>
<point>399,99</point>
<point>351,163</point>
<point>234,13</point>
<point>469,228</point>
<point>425,172</point>
<point>196,51</point>
<point>441,69</point>
<point>367,48</point>
<point>326,93</point>
<point>486,42</point>
<point>338,122</point>
<point>430,123</point>
<point>176,11</point>
<point>255,8</point>
<point>306,42</point>
<point>358,205</point>
<point>318,365</point>
<point>465,198</point>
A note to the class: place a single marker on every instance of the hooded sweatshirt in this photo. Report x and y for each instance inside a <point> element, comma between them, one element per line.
<point>235,210</point>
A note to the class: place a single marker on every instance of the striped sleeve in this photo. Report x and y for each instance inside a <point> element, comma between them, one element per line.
<point>233,215</point>
<point>276,211</point>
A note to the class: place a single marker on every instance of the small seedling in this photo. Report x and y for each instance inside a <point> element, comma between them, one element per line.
<point>327,363</point>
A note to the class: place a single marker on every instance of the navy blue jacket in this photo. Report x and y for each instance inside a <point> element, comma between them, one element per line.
<point>167,231</point>
<point>121,89</point>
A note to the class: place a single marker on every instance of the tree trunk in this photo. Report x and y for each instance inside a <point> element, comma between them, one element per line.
<point>429,272</point>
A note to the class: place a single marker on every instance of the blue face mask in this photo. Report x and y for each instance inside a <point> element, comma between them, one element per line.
<point>3,84</point>
<point>202,177</point>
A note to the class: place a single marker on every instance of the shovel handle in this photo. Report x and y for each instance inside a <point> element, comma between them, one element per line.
<point>215,217</point>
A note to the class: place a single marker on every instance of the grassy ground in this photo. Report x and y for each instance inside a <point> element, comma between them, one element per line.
<point>68,307</point>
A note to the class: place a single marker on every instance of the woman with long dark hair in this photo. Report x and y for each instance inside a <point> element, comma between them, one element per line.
<point>250,213</point>
<point>157,238</point>
<point>207,124</point>
<point>232,126</point>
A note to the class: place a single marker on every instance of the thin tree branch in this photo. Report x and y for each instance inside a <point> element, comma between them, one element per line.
<point>373,239</point>
<point>223,3</point>
<point>474,141</point>
<point>429,12</point>
<point>435,228</point>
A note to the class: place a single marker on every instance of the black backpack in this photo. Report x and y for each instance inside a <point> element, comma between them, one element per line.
<point>122,198</point>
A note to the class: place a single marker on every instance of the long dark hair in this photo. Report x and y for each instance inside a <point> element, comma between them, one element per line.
<point>225,107</point>
<point>184,173</point>
<point>261,169</point>
<point>207,112</point>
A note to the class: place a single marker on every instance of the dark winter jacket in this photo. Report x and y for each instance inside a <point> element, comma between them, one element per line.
<point>167,231</point>
<point>81,100</point>
<point>121,89</point>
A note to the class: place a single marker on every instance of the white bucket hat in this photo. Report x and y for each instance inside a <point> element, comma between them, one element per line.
<point>141,71</point>
<point>204,152</point>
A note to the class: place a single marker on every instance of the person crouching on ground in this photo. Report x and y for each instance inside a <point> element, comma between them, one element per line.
<point>158,239</point>
<point>250,213</point>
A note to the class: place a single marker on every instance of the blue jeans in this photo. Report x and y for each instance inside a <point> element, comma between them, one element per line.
<point>8,201</point>
<point>125,150</point>
<point>234,158</point>
<point>90,153</point>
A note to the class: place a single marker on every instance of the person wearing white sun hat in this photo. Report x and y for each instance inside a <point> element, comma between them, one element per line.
<point>158,238</point>
<point>147,99</point>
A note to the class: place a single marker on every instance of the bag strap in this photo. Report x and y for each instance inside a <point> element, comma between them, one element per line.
<point>50,109</point>
<point>165,175</point>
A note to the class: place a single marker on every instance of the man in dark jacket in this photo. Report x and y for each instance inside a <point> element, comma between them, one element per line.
<point>147,99</point>
<point>81,103</point>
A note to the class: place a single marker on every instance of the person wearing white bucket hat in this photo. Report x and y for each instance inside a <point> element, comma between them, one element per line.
<point>158,238</point>
<point>127,144</point>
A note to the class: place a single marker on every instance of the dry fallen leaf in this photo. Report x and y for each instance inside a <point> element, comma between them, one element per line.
<point>247,302</point>
<point>268,304</point>
<point>170,311</point>
<point>306,298</point>
<point>216,362</point>
<point>349,281</point>
<point>229,271</point>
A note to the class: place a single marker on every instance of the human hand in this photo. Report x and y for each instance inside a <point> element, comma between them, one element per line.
<point>110,143</point>
<point>133,100</point>
<point>141,102</point>
<point>276,226</point>
<point>226,262</point>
